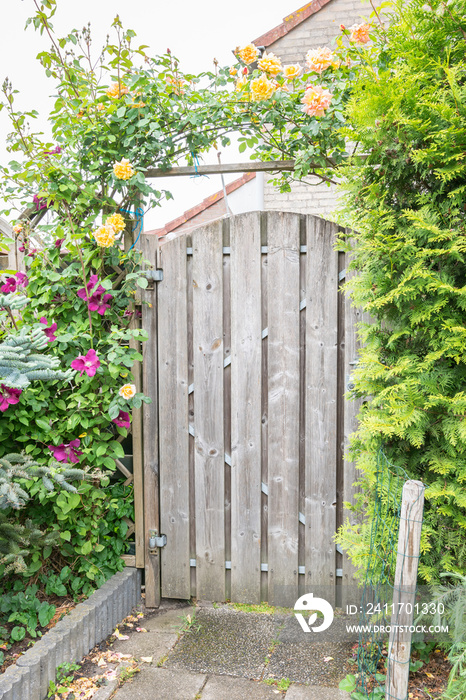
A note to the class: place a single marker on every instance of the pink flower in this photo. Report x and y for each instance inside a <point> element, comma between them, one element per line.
<point>316,101</point>
<point>8,396</point>
<point>122,420</point>
<point>57,149</point>
<point>49,332</point>
<point>86,363</point>
<point>98,299</point>
<point>12,283</point>
<point>67,452</point>
<point>9,286</point>
<point>40,202</point>
<point>58,242</point>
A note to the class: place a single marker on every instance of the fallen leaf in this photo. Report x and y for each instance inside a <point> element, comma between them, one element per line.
<point>328,658</point>
<point>101,663</point>
<point>140,629</point>
<point>147,659</point>
<point>120,636</point>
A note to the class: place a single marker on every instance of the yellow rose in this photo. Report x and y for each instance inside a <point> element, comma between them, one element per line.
<point>123,170</point>
<point>117,90</point>
<point>105,236</point>
<point>18,228</point>
<point>240,83</point>
<point>233,71</point>
<point>292,71</point>
<point>269,63</point>
<point>127,391</point>
<point>262,88</point>
<point>248,54</point>
<point>117,221</point>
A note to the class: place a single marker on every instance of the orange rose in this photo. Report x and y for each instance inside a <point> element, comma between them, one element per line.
<point>248,54</point>
<point>360,33</point>
<point>319,59</point>
<point>316,101</point>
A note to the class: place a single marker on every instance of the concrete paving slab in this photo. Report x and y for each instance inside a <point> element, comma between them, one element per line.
<point>218,687</point>
<point>170,622</point>
<point>225,642</point>
<point>315,692</point>
<point>154,644</point>
<point>319,658</point>
<point>162,684</point>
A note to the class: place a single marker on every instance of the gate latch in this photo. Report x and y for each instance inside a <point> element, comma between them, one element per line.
<point>156,541</point>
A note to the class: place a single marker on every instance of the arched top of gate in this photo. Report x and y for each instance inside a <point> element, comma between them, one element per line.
<point>262,220</point>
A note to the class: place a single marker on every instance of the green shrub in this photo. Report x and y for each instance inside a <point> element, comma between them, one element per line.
<point>408,204</point>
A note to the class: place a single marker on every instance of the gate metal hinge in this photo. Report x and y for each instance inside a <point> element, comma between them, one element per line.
<point>156,541</point>
<point>155,274</point>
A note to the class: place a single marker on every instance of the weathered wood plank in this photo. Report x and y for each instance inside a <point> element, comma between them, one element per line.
<point>264,410</point>
<point>173,404</point>
<point>215,168</point>
<point>130,236</point>
<point>208,411</point>
<point>353,317</point>
<point>227,400</point>
<point>150,414</point>
<point>283,407</point>
<point>321,394</point>
<point>245,407</point>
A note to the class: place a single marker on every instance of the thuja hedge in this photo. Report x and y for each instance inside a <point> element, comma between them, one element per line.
<point>408,203</point>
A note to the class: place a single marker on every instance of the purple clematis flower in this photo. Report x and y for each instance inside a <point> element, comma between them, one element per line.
<point>122,420</point>
<point>40,202</point>
<point>58,242</point>
<point>93,279</point>
<point>57,149</point>
<point>9,286</point>
<point>22,279</point>
<point>50,330</point>
<point>67,452</point>
<point>98,299</point>
<point>8,396</point>
<point>12,283</point>
<point>86,363</point>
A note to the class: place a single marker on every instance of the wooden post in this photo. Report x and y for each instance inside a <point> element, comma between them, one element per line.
<point>136,424</point>
<point>404,593</point>
<point>150,412</point>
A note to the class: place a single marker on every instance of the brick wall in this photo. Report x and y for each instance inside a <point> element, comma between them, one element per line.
<point>318,30</point>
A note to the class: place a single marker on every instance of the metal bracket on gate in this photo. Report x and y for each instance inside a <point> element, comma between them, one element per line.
<point>154,274</point>
<point>156,541</point>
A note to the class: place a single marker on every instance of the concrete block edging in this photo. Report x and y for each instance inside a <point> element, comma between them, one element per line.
<point>88,624</point>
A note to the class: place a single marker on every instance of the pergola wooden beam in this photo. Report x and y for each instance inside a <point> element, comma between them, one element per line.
<point>216,168</point>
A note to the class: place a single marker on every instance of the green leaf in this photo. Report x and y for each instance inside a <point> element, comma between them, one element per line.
<point>44,424</point>
<point>17,633</point>
<point>142,282</point>
<point>348,684</point>
<point>117,448</point>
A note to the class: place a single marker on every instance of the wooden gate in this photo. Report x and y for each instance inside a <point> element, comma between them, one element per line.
<point>250,348</point>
